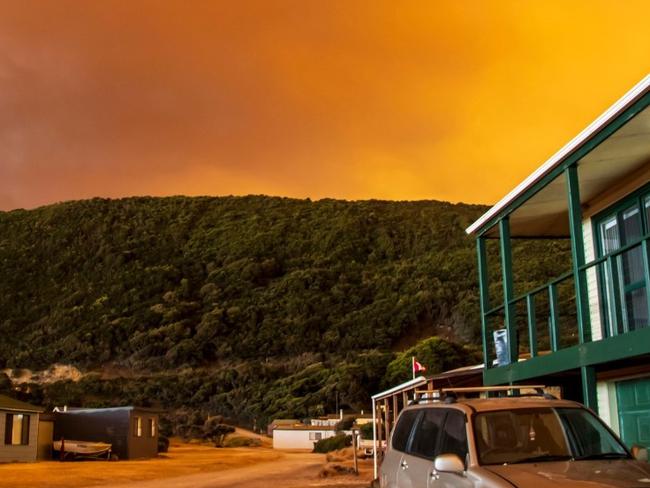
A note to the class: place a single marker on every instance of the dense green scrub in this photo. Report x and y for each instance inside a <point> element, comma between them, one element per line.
<point>249,307</point>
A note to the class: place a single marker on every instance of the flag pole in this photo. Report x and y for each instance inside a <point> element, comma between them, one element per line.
<point>413,366</point>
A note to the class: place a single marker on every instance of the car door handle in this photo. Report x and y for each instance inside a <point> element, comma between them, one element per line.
<point>404,464</point>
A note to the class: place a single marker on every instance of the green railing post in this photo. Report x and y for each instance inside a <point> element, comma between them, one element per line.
<point>613,295</point>
<point>588,374</point>
<point>485,299</point>
<point>554,317</point>
<point>532,325</point>
<point>578,253</point>
<point>506,269</point>
<point>646,267</point>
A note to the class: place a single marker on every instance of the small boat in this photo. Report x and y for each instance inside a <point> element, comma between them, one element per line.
<point>83,448</point>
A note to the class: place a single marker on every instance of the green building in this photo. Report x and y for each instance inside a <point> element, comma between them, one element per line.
<point>587,329</point>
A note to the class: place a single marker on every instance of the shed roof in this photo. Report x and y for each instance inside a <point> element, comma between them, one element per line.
<point>11,404</point>
<point>80,410</point>
<point>306,427</point>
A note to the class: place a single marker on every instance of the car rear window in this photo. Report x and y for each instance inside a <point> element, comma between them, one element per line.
<point>403,429</point>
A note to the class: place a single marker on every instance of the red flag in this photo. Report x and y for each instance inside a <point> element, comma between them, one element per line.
<point>417,367</point>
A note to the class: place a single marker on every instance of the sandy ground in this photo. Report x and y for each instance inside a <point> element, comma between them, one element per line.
<point>186,466</point>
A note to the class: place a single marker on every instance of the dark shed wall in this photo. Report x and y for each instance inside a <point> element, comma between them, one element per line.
<point>111,426</point>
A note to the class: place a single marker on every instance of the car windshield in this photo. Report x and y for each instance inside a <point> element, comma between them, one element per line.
<point>542,435</point>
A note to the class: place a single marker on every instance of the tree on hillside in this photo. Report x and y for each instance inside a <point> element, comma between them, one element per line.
<point>215,430</point>
<point>436,354</point>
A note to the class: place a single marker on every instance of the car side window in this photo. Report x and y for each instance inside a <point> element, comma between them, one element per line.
<point>403,429</point>
<point>427,432</point>
<point>454,435</point>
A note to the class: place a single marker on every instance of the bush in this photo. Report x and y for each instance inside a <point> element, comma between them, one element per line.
<point>436,353</point>
<point>240,441</point>
<point>163,444</point>
<point>215,430</point>
<point>335,443</point>
<point>366,430</point>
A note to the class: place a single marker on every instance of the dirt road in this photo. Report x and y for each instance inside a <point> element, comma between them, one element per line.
<point>187,466</point>
<point>291,470</point>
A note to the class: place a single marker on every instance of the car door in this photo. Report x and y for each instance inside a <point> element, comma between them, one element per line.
<point>453,440</point>
<point>417,462</point>
<point>391,466</point>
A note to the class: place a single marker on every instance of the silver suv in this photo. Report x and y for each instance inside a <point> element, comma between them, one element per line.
<point>521,441</point>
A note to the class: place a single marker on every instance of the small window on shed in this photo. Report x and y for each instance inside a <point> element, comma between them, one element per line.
<point>152,427</point>
<point>17,429</point>
<point>137,426</point>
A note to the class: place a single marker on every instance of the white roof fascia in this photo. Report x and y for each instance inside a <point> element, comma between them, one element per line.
<point>404,386</point>
<point>559,156</point>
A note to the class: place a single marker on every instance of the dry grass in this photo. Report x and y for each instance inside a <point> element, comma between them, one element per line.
<point>334,469</point>
<point>182,459</point>
<point>340,455</point>
<point>340,466</point>
<point>263,440</point>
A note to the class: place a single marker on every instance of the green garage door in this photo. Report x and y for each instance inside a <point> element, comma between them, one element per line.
<point>634,411</point>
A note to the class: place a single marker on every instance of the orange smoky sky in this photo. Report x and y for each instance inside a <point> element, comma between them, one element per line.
<point>455,100</point>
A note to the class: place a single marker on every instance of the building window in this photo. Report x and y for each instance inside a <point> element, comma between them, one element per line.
<point>17,429</point>
<point>137,426</point>
<point>624,226</point>
<point>152,427</point>
<point>315,436</point>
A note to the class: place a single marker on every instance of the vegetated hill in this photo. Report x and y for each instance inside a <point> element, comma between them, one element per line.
<point>261,306</point>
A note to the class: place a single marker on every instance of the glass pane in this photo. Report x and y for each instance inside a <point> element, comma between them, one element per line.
<point>632,264</point>
<point>520,435</point>
<point>636,305</point>
<point>609,235</point>
<point>426,435</point>
<point>403,430</point>
<point>590,437</point>
<point>647,212</point>
<point>632,227</point>
<point>454,437</point>
<point>633,271</point>
<point>17,430</point>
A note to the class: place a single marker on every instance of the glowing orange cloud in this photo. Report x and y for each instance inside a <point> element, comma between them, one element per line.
<point>410,100</point>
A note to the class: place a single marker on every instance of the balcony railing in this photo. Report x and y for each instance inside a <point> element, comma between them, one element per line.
<point>607,309</point>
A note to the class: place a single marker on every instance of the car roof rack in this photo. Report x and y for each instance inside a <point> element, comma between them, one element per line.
<point>450,395</point>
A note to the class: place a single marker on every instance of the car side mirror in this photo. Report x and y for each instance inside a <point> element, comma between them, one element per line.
<point>640,453</point>
<point>449,463</point>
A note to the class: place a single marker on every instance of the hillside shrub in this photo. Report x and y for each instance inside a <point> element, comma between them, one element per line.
<point>241,441</point>
<point>215,430</point>
<point>339,441</point>
<point>163,444</point>
<point>366,430</point>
